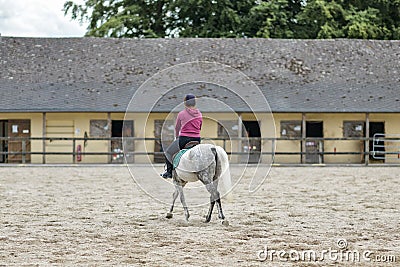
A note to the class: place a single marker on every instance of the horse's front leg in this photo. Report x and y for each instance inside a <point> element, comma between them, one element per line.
<point>174,197</point>
<point>183,201</point>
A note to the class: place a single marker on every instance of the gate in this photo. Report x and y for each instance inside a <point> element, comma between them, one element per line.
<point>313,151</point>
<point>386,146</point>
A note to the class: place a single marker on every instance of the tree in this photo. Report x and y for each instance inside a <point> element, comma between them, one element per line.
<point>121,18</point>
<point>365,24</point>
<point>161,18</point>
<point>205,18</point>
<point>321,19</point>
<point>306,19</point>
<point>273,19</point>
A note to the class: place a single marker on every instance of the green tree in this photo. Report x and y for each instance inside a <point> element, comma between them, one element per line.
<point>121,18</point>
<point>383,16</point>
<point>321,19</point>
<point>205,18</point>
<point>272,19</point>
<point>307,19</point>
<point>365,24</point>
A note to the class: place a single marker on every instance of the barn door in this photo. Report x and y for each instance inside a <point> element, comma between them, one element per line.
<point>162,129</point>
<point>378,148</point>
<point>19,128</point>
<point>3,143</point>
<point>253,146</point>
<point>121,128</point>
<point>314,147</point>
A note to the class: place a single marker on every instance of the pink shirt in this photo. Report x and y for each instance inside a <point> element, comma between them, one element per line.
<point>188,123</point>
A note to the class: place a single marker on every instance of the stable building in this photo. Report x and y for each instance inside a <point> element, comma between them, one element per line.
<point>326,97</point>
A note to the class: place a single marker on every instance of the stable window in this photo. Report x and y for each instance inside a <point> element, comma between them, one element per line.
<point>353,128</point>
<point>291,129</point>
<point>99,128</point>
<point>228,129</point>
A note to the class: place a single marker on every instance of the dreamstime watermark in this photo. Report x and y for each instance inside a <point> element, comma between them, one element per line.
<point>339,253</point>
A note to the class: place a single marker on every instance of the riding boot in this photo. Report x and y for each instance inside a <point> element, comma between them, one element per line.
<point>168,172</point>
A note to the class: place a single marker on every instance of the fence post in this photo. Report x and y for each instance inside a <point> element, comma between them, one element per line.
<point>73,151</point>
<point>273,148</point>
<point>366,145</point>
<point>240,137</point>
<point>303,138</point>
<point>23,151</point>
<point>44,138</point>
<point>109,145</point>
<point>321,151</point>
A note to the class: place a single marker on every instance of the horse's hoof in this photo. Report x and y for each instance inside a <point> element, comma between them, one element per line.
<point>169,215</point>
<point>225,223</point>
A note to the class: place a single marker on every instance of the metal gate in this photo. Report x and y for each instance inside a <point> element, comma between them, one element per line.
<point>386,146</point>
<point>313,149</point>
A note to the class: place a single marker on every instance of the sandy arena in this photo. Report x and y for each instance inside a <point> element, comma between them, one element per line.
<point>99,216</point>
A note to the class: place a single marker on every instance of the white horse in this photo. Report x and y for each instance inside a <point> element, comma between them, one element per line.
<point>210,165</point>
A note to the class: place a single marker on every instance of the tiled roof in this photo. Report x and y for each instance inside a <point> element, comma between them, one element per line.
<point>102,74</point>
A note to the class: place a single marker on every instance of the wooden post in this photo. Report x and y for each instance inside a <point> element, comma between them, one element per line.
<point>44,138</point>
<point>110,134</point>
<point>273,144</point>
<point>366,144</point>
<point>224,144</point>
<point>73,151</point>
<point>240,129</point>
<point>23,151</point>
<point>303,137</point>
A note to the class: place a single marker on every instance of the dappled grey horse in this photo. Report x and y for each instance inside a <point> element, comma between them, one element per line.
<point>206,163</point>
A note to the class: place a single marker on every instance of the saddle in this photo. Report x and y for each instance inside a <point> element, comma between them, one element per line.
<point>176,158</point>
<point>191,144</point>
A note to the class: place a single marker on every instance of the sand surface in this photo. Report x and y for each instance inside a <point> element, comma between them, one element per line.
<point>99,216</point>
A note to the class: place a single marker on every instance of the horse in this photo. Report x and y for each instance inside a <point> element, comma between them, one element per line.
<point>206,163</point>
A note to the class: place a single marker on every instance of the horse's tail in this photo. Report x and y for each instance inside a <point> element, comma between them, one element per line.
<point>223,172</point>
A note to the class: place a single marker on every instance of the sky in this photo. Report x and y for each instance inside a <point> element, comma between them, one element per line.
<point>37,18</point>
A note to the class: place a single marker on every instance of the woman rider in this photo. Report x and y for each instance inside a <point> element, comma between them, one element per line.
<point>187,128</point>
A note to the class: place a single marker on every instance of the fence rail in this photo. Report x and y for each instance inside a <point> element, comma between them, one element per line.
<point>379,149</point>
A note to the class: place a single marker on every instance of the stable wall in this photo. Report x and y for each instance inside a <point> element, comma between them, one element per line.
<point>76,124</point>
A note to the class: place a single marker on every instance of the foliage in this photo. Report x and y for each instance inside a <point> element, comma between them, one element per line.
<point>365,19</point>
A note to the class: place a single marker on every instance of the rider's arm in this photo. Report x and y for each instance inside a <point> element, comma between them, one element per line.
<point>178,126</point>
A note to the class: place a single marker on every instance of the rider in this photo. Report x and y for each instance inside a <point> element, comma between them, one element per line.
<point>187,128</point>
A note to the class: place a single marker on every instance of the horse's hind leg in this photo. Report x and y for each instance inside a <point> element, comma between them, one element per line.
<point>214,198</point>
<point>220,213</point>
<point>210,210</point>
<point>183,201</point>
<point>174,197</point>
<point>219,206</point>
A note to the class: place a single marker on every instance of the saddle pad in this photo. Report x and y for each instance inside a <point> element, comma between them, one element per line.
<point>178,157</point>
